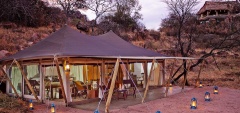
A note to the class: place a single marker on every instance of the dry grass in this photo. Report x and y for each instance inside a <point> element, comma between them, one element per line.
<point>11,105</point>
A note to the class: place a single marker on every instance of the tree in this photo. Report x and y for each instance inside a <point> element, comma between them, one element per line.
<point>126,15</point>
<point>189,33</point>
<point>69,6</point>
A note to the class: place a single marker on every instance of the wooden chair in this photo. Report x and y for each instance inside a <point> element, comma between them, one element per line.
<point>81,89</point>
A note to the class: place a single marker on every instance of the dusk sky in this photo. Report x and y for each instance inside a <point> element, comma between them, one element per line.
<point>153,12</point>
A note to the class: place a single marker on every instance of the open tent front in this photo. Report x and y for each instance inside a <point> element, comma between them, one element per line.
<point>57,65</point>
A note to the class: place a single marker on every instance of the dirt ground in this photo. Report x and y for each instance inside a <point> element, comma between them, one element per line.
<point>227,101</point>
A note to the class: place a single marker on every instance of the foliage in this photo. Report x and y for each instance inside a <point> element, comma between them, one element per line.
<point>32,13</point>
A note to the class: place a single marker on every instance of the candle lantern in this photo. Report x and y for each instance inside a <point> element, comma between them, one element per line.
<point>193,103</point>
<point>53,108</point>
<point>200,85</point>
<point>67,66</point>
<point>96,111</point>
<point>158,112</point>
<point>170,85</point>
<point>207,96</point>
<point>30,104</point>
<point>215,90</point>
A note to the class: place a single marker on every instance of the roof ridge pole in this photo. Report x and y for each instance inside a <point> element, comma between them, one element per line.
<point>149,77</point>
<point>9,80</point>
<point>112,86</point>
<point>60,79</point>
<point>26,80</point>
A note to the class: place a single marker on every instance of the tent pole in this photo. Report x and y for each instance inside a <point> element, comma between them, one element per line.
<point>163,70</point>
<point>170,78</point>
<point>60,80</point>
<point>26,80</point>
<point>145,73</point>
<point>147,86</point>
<point>8,79</point>
<point>112,86</point>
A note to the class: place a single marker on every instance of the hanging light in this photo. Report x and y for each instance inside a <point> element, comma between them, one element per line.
<point>67,66</point>
<point>215,90</point>
<point>30,104</point>
<point>200,85</point>
<point>207,96</point>
<point>53,108</point>
<point>193,103</point>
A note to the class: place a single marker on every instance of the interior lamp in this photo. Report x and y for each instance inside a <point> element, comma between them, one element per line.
<point>53,108</point>
<point>200,85</point>
<point>30,104</point>
<point>67,66</point>
<point>193,103</point>
<point>215,90</point>
<point>207,96</point>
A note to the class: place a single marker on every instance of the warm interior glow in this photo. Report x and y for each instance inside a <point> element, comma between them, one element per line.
<point>67,67</point>
<point>30,105</point>
<point>207,96</point>
<point>170,84</point>
<point>215,91</point>
<point>194,103</point>
<point>200,85</point>
<point>52,109</point>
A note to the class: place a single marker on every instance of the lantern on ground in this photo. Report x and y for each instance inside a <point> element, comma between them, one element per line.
<point>30,104</point>
<point>53,108</point>
<point>200,85</point>
<point>215,90</point>
<point>170,85</point>
<point>96,111</point>
<point>158,111</point>
<point>193,103</point>
<point>207,96</point>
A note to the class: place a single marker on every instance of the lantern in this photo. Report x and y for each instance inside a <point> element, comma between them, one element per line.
<point>215,90</point>
<point>207,96</point>
<point>96,111</point>
<point>67,66</point>
<point>193,103</point>
<point>200,85</point>
<point>170,85</point>
<point>158,112</point>
<point>53,108</point>
<point>30,104</point>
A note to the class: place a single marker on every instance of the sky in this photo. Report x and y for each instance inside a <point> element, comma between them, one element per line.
<point>153,11</point>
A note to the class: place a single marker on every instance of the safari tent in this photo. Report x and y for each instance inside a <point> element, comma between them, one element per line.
<point>48,68</point>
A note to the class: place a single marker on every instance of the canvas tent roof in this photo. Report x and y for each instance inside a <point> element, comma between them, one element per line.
<point>68,42</point>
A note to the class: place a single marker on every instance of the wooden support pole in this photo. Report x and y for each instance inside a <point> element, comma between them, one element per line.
<point>26,80</point>
<point>9,80</point>
<point>185,77</point>
<point>145,74</point>
<point>198,77</point>
<point>112,86</point>
<point>149,77</point>
<point>60,80</point>
<point>170,78</point>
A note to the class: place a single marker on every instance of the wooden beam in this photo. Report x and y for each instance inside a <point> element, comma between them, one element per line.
<point>170,78</point>
<point>112,86</point>
<point>149,77</point>
<point>60,80</point>
<point>145,74</point>
<point>26,80</point>
<point>10,82</point>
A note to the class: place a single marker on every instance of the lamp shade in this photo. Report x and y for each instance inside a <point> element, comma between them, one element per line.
<point>193,104</point>
<point>215,90</point>
<point>207,96</point>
